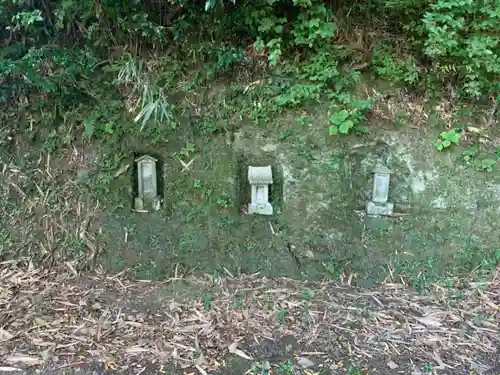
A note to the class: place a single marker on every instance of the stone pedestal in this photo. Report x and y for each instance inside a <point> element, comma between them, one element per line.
<point>379,209</point>
<point>149,205</point>
<point>260,208</point>
<point>138,204</point>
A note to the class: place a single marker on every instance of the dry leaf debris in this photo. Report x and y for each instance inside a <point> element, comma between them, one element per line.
<point>57,315</point>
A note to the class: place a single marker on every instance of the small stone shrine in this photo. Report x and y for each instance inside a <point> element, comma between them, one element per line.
<point>260,178</point>
<point>379,205</point>
<point>147,199</point>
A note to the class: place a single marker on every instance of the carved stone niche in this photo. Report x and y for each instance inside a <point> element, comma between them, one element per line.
<point>379,205</point>
<point>260,178</point>
<point>147,198</point>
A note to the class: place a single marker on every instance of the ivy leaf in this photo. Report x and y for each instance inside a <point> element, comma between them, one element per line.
<point>346,126</point>
<point>259,45</point>
<point>455,138</point>
<point>452,136</point>
<point>274,57</point>
<point>108,128</point>
<point>333,130</point>
<point>339,117</point>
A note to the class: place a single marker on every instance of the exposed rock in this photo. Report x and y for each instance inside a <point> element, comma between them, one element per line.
<point>392,365</point>
<point>305,362</point>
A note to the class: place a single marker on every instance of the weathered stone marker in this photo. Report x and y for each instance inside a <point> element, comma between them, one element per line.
<point>379,205</point>
<point>147,199</point>
<point>260,178</point>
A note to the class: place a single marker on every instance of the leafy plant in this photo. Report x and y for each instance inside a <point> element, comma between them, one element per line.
<point>470,154</point>
<point>313,26</point>
<point>285,368</point>
<point>188,149</point>
<point>428,366</point>
<point>447,139</point>
<point>308,295</point>
<point>487,164</point>
<point>207,301</point>
<point>223,202</point>
<point>341,122</point>
<point>348,119</point>
<point>146,98</point>
<point>393,68</point>
<point>280,315</point>
<point>462,38</point>
<point>237,302</point>
<point>227,56</point>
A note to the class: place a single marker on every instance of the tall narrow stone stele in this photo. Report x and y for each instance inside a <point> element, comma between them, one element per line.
<point>379,205</point>
<point>260,178</point>
<point>147,198</point>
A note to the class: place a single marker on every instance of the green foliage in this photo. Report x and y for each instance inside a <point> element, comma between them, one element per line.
<point>223,202</point>
<point>469,154</point>
<point>285,368</point>
<point>188,149</point>
<point>341,122</point>
<point>448,138</point>
<point>69,55</point>
<point>281,314</point>
<point>311,28</point>
<point>308,295</point>
<point>488,164</point>
<point>459,37</point>
<point>395,69</point>
<point>485,162</point>
<point>207,301</point>
<point>463,36</point>
<point>428,367</point>
<point>349,115</point>
<point>227,56</point>
<point>147,96</point>
<point>355,369</point>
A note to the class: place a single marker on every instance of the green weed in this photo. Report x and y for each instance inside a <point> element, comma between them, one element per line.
<point>308,295</point>
<point>355,369</point>
<point>395,69</point>
<point>351,117</point>
<point>487,164</point>
<point>188,149</point>
<point>285,368</point>
<point>281,314</point>
<point>238,302</point>
<point>207,301</point>
<point>447,139</point>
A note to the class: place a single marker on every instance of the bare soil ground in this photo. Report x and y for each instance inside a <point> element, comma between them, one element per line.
<point>58,321</point>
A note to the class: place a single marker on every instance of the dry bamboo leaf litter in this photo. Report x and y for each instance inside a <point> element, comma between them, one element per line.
<point>53,314</point>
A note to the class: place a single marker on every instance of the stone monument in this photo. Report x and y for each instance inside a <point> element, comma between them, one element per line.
<point>260,178</point>
<point>147,198</point>
<point>379,205</point>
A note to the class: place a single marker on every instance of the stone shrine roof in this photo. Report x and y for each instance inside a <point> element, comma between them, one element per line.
<point>144,158</point>
<point>260,175</point>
